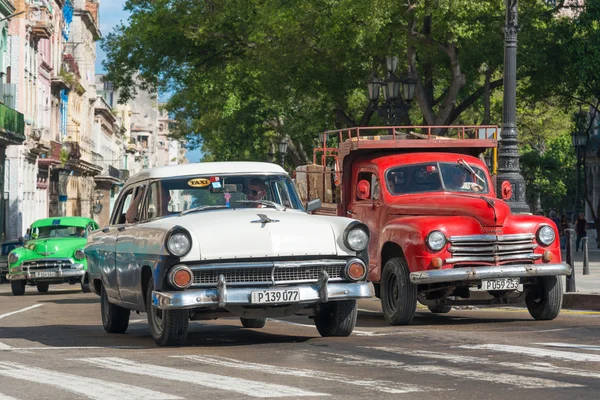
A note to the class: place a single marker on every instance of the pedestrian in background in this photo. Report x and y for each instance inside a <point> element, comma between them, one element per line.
<point>562,230</point>
<point>580,226</point>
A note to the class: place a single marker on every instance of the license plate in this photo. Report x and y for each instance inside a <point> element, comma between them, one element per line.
<point>500,284</point>
<point>45,274</point>
<point>274,296</point>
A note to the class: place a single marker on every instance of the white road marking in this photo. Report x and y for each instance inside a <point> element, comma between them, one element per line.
<point>535,352</point>
<point>238,385</point>
<point>20,311</point>
<point>377,385</point>
<point>520,381</point>
<point>458,359</point>
<point>5,347</point>
<point>5,397</point>
<point>354,332</point>
<point>571,346</point>
<point>89,387</point>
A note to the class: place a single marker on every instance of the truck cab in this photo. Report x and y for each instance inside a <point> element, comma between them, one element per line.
<point>439,233</point>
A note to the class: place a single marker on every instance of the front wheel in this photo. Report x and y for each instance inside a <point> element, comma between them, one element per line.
<point>440,309</point>
<point>336,318</point>
<point>115,319</point>
<point>18,287</point>
<point>167,327</point>
<point>544,299</point>
<point>398,294</point>
<point>43,287</point>
<point>253,322</point>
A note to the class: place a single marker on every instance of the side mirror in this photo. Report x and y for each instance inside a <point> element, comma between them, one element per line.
<point>363,190</point>
<point>313,205</point>
<point>507,190</point>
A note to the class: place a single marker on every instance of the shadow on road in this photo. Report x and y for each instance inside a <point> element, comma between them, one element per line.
<point>425,318</point>
<point>32,291</point>
<point>82,300</point>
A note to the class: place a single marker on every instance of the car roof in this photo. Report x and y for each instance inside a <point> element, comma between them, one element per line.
<point>207,168</point>
<point>64,221</point>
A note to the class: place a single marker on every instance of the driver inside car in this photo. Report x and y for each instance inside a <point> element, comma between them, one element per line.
<point>256,191</point>
<point>458,181</point>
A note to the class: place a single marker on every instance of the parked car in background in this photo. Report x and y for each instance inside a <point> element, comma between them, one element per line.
<point>202,241</point>
<point>53,255</point>
<point>5,248</point>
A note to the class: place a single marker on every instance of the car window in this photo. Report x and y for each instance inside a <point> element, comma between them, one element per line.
<point>58,231</point>
<point>152,201</point>
<point>130,206</point>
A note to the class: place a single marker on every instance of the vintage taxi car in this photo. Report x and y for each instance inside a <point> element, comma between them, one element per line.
<point>53,255</point>
<point>206,240</point>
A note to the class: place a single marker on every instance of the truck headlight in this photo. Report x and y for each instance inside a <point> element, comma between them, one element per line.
<point>179,242</point>
<point>546,235</point>
<point>356,236</point>
<point>436,240</point>
<point>79,254</point>
<point>13,258</point>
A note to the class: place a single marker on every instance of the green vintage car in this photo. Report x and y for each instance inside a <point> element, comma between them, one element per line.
<point>52,255</point>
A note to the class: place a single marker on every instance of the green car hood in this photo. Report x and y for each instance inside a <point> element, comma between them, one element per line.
<point>50,248</point>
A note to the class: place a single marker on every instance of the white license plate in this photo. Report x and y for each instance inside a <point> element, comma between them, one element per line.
<point>500,284</point>
<point>275,296</point>
<point>45,274</point>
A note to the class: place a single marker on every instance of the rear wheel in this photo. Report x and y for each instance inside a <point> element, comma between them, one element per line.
<point>544,299</point>
<point>440,309</point>
<point>18,287</point>
<point>253,322</point>
<point>115,319</point>
<point>398,294</point>
<point>336,318</point>
<point>43,287</point>
<point>85,287</point>
<point>167,327</point>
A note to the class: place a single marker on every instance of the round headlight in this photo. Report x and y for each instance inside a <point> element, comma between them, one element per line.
<point>546,235</point>
<point>13,258</point>
<point>357,238</point>
<point>436,240</point>
<point>179,244</point>
<point>79,254</point>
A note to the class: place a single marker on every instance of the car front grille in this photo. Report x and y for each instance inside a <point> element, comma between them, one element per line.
<point>63,263</point>
<point>267,273</point>
<point>492,249</point>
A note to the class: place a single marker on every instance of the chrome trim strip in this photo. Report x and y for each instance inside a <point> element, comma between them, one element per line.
<point>61,275</point>
<point>491,238</point>
<point>481,273</point>
<point>492,259</point>
<point>268,264</point>
<point>208,298</point>
<point>496,248</point>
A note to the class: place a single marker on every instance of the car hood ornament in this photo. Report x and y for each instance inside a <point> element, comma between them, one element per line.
<point>264,219</point>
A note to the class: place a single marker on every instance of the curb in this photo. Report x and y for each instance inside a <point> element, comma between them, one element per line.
<point>581,301</point>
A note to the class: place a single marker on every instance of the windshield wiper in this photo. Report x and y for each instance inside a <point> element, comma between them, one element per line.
<point>276,206</point>
<point>201,208</point>
<point>466,166</point>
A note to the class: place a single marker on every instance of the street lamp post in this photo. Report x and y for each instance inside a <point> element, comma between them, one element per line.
<point>392,108</point>
<point>579,138</point>
<point>283,145</point>
<point>508,151</point>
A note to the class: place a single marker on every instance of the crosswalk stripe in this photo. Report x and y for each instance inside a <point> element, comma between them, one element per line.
<point>21,310</point>
<point>377,385</point>
<point>459,359</point>
<point>535,352</point>
<point>5,397</point>
<point>238,385</point>
<point>519,381</point>
<point>571,346</point>
<point>89,387</point>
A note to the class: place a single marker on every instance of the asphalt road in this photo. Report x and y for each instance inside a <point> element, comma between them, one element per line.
<point>53,346</point>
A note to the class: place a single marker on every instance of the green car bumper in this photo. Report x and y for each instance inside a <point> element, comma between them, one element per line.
<point>47,270</point>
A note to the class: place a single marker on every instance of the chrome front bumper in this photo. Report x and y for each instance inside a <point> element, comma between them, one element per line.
<point>481,273</point>
<point>61,274</point>
<point>223,295</point>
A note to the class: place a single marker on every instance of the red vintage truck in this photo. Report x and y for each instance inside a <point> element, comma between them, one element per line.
<point>439,234</point>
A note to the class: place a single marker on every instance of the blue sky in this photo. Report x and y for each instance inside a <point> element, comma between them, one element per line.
<point>111,14</point>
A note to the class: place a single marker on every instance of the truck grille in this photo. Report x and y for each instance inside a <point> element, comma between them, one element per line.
<point>267,273</point>
<point>63,263</point>
<point>492,248</point>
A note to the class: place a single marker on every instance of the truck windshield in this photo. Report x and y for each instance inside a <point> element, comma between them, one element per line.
<point>436,177</point>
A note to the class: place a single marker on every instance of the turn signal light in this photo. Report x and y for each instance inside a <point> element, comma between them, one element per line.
<point>180,277</point>
<point>356,270</point>
<point>437,262</point>
<point>547,256</point>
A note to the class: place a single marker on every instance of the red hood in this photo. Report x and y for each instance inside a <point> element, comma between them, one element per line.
<point>453,204</point>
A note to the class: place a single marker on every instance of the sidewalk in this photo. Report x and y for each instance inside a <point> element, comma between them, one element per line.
<point>587,295</point>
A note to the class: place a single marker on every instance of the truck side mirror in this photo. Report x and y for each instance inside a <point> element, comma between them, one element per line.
<point>507,190</point>
<point>363,190</point>
<point>313,205</point>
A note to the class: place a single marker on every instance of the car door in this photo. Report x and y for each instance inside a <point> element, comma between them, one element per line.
<point>127,268</point>
<point>367,207</point>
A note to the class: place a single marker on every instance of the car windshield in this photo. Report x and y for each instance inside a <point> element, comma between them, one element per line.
<point>437,177</point>
<point>225,191</point>
<point>58,231</point>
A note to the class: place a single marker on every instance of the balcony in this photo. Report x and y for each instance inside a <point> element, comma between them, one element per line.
<point>12,126</point>
<point>8,94</point>
<point>114,172</point>
<point>41,22</point>
<point>74,150</point>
